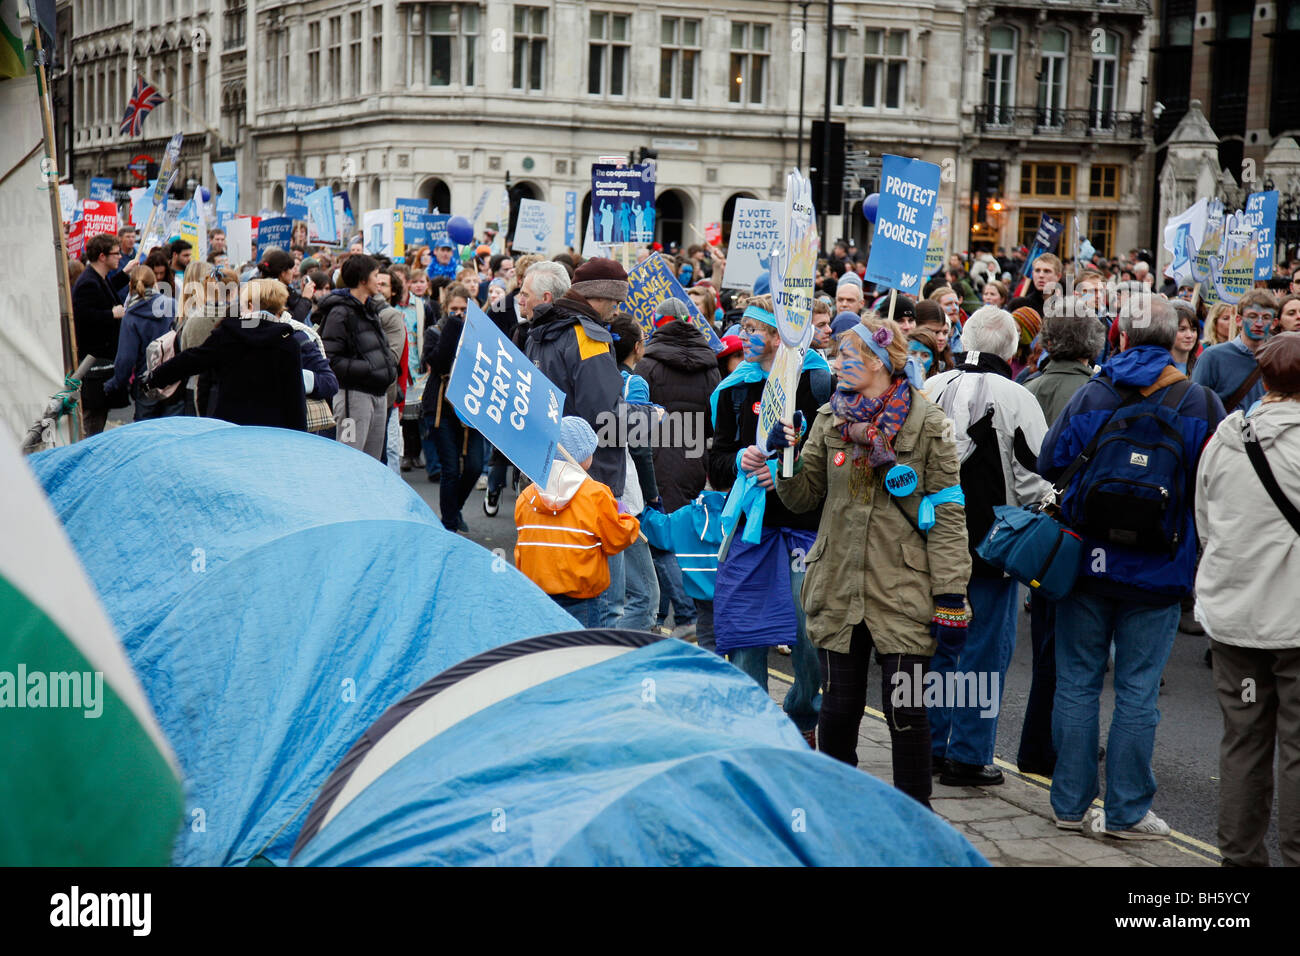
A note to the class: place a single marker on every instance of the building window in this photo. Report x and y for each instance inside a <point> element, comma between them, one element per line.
<point>334,58</point>
<point>839,63</point>
<point>1105,77</point>
<point>232,24</point>
<point>376,48</point>
<point>1103,182</point>
<point>451,32</point>
<point>1029,220</point>
<point>1053,67</point>
<point>530,49</point>
<point>749,53</point>
<point>1000,78</point>
<point>354,54</point>
<point>1284,105</point>
<point>313,62</point>
<point>1101,231</point>
<point>884,69</point>
<point>679,58</point>
<point>1055,180</point>
<point>607,50</point>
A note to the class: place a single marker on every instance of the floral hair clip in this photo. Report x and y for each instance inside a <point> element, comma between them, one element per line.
<point>883,336</point>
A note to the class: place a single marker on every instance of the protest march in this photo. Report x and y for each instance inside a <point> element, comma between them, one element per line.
<point>535,521</point>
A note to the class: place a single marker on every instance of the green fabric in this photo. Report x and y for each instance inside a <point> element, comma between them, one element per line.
<point>869,564</point>
<point>76,790</point>
<point>1057,385</point>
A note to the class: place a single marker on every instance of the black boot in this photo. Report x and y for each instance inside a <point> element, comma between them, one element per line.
<point>958,774</point>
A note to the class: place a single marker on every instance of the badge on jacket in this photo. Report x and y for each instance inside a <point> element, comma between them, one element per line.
<point>839,458</point>
<point>900,481</point>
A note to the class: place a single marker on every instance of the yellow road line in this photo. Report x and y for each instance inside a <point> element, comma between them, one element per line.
<point>1045,783</point>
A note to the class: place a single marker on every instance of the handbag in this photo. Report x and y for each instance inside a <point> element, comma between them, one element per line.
<point>414,406</point>
<point>1031,545</point>
<point>320,417</point>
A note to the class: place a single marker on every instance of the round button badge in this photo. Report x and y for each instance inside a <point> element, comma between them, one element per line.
<point>757,406</point>
<point>839,458</point>
<point>900,481</point>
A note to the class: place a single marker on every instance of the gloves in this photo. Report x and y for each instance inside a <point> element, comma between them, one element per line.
<point>776,437</point>
<point>657,505</point>
<point>949,624</point>
<point>308,380</point>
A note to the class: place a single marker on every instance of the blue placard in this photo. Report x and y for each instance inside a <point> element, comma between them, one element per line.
<point>320,206</point>
<point>623,203</point>
<point>1261,214</point>
<point>900,481</point>
<point>570,218</point>
<point>436,230</point>
<point>228,185</point>
<point>1046,239</point>
<point>652,282</point>
<point>909,190</point>
<point>276,232</point>
<point>296,189</point>
<point>497,390</point>
<point>101,187</point>
<point>415,215</point>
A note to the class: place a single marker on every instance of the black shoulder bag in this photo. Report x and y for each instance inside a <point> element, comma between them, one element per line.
<point>1260,463</point>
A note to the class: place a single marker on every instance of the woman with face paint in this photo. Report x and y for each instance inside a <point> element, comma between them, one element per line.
<point>890,566</point>
<point>756,597</point>
<point>922,345</point>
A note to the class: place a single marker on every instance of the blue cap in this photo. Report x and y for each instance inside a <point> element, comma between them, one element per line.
<point>844,321</point>
<point>763,284</point>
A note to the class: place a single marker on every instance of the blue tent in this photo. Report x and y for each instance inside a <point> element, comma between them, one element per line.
<point>600,748</point>
<point>276,593</point>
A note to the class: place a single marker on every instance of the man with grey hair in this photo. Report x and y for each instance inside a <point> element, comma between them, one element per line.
<point>998,427</point>
<point>1131,502</point>
<point>544,282</point>
<point>1071,343</point>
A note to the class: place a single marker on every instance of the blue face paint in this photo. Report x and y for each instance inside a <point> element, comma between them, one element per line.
<point>923,353</point>
<point>852,373</point>
<point>755,344</point>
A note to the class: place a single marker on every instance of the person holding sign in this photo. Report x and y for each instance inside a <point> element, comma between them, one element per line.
<point>756,599</point>
<point>880,471</point>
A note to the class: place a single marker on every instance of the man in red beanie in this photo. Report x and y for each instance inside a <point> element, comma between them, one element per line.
<point>569,341</point>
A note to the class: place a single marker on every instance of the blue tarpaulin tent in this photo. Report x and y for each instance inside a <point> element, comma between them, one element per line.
<point>276,593</point>
<point>607,747</point>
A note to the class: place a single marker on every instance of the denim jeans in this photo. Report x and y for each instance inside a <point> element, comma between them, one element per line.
<point>961,733</point>
<point>1144,636</point>
<point>804,699</point>
<point>432,466</point>
<point>609,602</point>
<point>672,592</point>
<point>642,588</point>
<point>457,482</point>
<point>584,609</point>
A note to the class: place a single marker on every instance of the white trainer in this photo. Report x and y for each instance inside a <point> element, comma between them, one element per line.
<point>1150,827</point>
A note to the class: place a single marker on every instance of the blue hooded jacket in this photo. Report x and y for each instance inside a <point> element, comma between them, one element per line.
<point>1111,570</point>
<point>693,533</point>
<point>145,320</point>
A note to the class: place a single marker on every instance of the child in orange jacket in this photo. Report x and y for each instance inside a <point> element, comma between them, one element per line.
<point>568,529</point>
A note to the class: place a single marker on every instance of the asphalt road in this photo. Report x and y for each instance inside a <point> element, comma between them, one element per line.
<point>1187,740</point>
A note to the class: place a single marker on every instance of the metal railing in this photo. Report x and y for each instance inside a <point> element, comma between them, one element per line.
<point>1059,124</point>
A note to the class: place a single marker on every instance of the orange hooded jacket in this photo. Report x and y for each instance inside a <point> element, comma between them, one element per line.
<point>566,531</point>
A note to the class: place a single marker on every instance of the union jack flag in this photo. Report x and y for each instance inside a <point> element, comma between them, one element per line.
<point>145,98</point>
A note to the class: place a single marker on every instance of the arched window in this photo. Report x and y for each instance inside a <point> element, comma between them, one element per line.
<point>374,194</point>
<point>277,199</point>
<point>673,210</point>
<point>518,191</point>
<point>1053,67</point>
<point>729,213</point>
<point>1000,77</point>
<point>1105,80</point>
<point>438,194</point>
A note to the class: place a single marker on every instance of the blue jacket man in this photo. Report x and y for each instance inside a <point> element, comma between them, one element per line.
<point>1123,595</point>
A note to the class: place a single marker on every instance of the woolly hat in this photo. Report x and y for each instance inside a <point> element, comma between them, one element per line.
<point>904,307</point>
<point>731,344</point>
<point>851,278</point>
<point>670,309</point>
<point>483,250</point>
<point>1279,360</point>
<point>844,321</point>
<point>928,312</point>
<point>577,438</point>
<point>600,279</point>
<point>498,283</point>
<point>763,284</point>
<point>1030,322</point>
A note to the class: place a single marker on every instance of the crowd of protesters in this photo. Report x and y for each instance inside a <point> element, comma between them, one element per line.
<point>985,389</point>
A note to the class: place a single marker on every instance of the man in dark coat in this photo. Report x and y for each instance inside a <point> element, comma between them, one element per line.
<point>97,313</point>
<point>682,372</point>
<point>569,341</point>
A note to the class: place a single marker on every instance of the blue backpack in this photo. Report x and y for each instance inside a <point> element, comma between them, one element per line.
<point>1132,480</point>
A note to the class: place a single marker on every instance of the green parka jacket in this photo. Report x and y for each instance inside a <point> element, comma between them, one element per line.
<point>870,563</point>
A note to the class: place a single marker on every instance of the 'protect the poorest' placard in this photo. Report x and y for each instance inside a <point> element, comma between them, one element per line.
<point>908,194</point>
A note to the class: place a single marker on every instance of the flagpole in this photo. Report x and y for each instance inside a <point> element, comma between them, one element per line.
<point>67,329</point>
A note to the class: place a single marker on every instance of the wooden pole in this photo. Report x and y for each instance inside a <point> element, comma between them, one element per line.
<point>893,297</point>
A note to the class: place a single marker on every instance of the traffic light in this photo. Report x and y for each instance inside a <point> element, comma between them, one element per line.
<point>829,204</point>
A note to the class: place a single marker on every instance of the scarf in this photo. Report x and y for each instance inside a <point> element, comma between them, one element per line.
<point>870,425</point>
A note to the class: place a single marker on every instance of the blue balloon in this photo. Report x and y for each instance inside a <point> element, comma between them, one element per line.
<point>204,195</point>
<point>460,231</point>
<point>869,206</point>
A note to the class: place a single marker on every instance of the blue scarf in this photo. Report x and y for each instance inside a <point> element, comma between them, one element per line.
<point>748,372</point>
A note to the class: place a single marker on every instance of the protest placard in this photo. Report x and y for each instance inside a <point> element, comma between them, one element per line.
<point>570,218</point>
<point>276,232</point>
<point>296,189</point>
<point>1182,237</point>
<point>67,200</point>
<point>398,252</point>
<point>650,283</point>
<point>623,202</point>
<point>239,240</point>
<point>793,265</point>
<point>755,230</point>
<point>499,392</point>
<point>909,190</point>
<point>1232,271</point>
<point>1046,239</point>
<point>227,186</point>
<point>99,216</point>
<point>76,236</point>
<point>101,187</point>
<point>479,206</point>
<point>535,227</point>
<point>140,203</point>
<point>320,216</point>
<point>377,231</point>
<point>934,253</point>
<point>1210,243</point>
<point>713,233</point>
<point>415,229</point>
<point>191,230</point>
<point>591,249</point>
<point>1261,215</point>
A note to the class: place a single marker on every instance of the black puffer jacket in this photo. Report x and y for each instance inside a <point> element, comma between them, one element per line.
<point>299,307</point>
<point>355,345</point>
<point>682,372</point>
